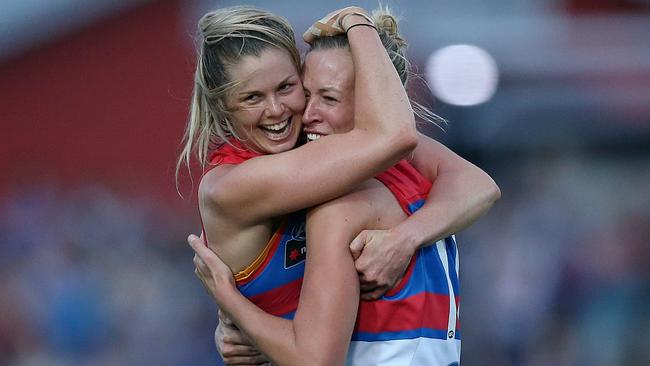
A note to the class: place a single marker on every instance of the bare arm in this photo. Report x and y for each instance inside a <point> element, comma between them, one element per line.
<point>460,194</point>
<point>322,170</point>
<point>320,332</point>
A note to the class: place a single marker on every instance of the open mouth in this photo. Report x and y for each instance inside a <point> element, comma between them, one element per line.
<point>278,131</point>
<point>312,136</point>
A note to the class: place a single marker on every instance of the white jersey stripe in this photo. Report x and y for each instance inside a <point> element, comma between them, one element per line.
<point>442,252</point>
<point>407,352</point>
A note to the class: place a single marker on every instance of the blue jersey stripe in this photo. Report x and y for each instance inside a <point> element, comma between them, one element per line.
<point>289,316</point>
<point>274,275</point>
<point>403,334</point>
<point>414,206</point>
<point>428,275</point>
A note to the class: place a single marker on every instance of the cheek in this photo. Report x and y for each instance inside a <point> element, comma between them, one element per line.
<point>244,119</point>
<point>296,101</point>
<point>345,120</point>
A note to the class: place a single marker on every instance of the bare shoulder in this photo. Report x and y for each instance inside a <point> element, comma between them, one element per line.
<point>209,187</point>
<point>236,243</point>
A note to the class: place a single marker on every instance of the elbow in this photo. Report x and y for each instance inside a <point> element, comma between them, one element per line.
<point>484,189</point>
<point>493,191</point>
<point>406,141</point>
<point>496,193</point>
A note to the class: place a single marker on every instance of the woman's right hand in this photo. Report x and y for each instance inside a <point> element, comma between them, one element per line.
<point>214,274</point>
<point>334,23</point>
<point>234,347</point>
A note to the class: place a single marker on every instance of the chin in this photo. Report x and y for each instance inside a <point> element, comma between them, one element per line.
<point>276,148</point>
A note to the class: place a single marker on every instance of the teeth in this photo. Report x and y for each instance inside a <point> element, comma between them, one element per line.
<point>313,136</point>
<point>277,126</point>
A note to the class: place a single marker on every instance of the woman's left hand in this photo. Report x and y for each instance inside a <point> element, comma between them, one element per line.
<point>210,269</point>
<point>334,23</point>
<point>381,260</point>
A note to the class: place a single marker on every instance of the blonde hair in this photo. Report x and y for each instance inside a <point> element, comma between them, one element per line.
<point>395,45</point>
<point>225,37</point>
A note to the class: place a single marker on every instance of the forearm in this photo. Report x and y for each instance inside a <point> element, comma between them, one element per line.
<point>455,201</point>
<point>320,332</point>
<point>381,102</point>
<point>272,335</point>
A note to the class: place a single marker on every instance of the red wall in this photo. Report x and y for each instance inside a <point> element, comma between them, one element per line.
<point>105,104</point>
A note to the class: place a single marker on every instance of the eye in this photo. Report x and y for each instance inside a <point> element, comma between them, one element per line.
<point>252,98</point>
<point>330,99</point>
<point>285,87</point>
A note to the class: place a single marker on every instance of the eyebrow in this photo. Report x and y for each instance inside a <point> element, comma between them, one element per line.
<point>329,89</point>
<point>325,89</point>
<point>249,92</point>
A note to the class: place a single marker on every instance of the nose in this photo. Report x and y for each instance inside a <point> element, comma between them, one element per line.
<point>311,114</point>
<point>274,107</point>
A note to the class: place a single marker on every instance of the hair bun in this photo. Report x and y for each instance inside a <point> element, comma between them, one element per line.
<point>387,24</point>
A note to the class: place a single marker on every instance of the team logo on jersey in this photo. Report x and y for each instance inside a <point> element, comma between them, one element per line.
<point>295,249</point>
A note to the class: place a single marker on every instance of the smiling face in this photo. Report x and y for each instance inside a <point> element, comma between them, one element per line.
<point>267,105</point>
<point>328,80</point>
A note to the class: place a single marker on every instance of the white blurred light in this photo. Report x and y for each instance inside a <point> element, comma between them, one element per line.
<point>462,75</point>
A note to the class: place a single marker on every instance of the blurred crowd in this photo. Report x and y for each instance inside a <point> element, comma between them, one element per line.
<point>93,278</point>
<point>556,274</point>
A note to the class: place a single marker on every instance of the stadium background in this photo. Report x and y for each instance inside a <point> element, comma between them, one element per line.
<point>94,96</point>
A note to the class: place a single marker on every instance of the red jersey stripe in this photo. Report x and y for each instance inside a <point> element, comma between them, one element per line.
<point>424,310</point>
<point>280,300</point>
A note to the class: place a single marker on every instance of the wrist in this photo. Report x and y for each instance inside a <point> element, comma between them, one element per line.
<point>408,239</point>
<point>224,289</point>
<point>354,19</point>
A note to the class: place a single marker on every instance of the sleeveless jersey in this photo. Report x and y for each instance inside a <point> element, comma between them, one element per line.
<point>416,323</point>
<point>273,280</point>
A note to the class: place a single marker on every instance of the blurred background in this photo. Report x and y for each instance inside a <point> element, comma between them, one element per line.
<point>552,98</point>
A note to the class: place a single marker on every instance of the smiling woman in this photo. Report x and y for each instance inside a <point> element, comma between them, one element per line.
<point>268,102</point>
<point>252,200</point>
<point>246,117</point>
<point>328,79</point>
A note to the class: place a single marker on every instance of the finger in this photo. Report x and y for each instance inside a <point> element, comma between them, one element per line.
<point>363,263</point>
<point>199,246</point>
<point>199,264</point>
<point>237,350</point>
<point>209,258</point>
<point>235,337</point>
<point>363,278</point>
<point>199,240</point>
<point>374,294</point>
<point>309,35</point>
<point>232,335</point>
<point>201,278</point>
<point>367,286</point>
<point>225,319</point>
<point>245,360</point>
<point>357,244</point>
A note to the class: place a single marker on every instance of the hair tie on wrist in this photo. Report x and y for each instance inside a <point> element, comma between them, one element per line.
<point>365,16</point>
<point>358,24</point>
